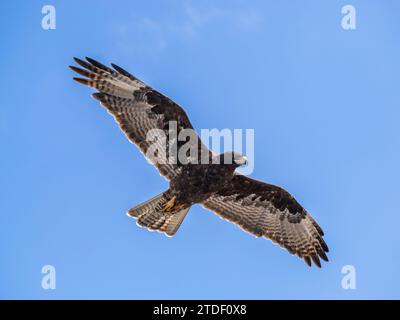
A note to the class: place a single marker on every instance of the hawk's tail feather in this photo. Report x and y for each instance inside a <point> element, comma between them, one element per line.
<point>150,215</point>
<point>154,204</point>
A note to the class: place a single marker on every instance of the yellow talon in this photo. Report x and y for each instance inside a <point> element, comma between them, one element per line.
<point>169,204</point>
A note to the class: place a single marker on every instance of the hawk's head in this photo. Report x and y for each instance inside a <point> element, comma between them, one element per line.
<point>232,158</point>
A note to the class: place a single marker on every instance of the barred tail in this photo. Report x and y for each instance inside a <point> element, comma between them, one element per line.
<point>150,215</point>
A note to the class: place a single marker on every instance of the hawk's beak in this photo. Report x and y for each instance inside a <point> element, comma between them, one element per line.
<point>241,161</point>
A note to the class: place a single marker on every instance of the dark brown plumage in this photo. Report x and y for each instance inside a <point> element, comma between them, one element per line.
<point>259,208</point>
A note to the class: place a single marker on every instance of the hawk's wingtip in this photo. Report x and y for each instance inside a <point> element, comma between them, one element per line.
<point>316,261</point>
<point>81,80</point>
<point>323,256</point>
<point>80,71</point>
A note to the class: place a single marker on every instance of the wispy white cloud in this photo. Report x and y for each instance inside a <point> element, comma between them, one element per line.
<point>198,17</point>
<point>242,19</point>
<point>193,20</point>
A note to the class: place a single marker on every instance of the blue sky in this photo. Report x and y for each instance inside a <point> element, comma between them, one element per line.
<point>324,104</point>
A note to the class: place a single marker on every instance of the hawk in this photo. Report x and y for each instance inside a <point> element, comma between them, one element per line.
<point>262,209</point>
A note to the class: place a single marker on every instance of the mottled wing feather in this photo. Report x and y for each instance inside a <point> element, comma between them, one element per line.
<point>139,109</point>
<point>270,211</point>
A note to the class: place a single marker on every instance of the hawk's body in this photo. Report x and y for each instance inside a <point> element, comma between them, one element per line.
<point>259,208</point>
<point>197,182</point>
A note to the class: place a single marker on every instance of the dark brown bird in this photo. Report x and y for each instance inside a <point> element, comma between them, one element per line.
<point>198,177</point>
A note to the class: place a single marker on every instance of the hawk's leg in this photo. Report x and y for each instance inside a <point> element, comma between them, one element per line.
<point>169,205</point>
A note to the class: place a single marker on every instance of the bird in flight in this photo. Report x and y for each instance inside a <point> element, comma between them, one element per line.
<point>259,208</point>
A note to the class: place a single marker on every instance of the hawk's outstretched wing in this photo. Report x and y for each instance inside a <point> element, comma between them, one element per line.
<point>143,114</point>
<point>267,210</point>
